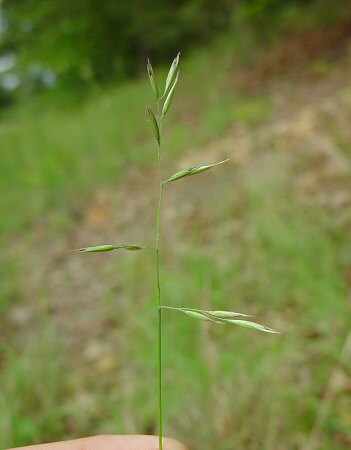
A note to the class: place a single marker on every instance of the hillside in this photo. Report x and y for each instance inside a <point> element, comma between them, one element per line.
<point>267,234</point>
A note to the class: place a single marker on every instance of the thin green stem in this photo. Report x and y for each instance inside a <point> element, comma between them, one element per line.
<point>182,309</point>
<point>159,310</point>
<point>159,317</point>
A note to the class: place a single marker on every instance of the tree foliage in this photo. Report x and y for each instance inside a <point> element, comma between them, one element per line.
<point>99,40</point>
<point>95,41</point>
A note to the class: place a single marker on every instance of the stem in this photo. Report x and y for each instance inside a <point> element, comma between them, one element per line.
<point>159,318</point>
<point>182,309</point>
<point>159,310</point>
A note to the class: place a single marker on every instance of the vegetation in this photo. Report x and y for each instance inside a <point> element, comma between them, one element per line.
<point>163,102</point>
<point>76,336</point>
<point>67,47</point>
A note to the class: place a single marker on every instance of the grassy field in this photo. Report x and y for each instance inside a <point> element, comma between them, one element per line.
<point>268,234</point>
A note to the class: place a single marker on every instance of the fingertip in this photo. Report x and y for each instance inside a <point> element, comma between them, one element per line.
<point>111,442</point>
<point>137,442</point>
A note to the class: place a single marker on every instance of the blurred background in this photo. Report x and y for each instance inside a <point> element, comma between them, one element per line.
<point>263,82</point>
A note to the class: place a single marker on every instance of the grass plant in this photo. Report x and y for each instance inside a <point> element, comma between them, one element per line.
<point>163,100</point>
<point>278,240</point>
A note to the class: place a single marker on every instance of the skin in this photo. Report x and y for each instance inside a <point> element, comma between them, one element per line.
<point>111,443</point>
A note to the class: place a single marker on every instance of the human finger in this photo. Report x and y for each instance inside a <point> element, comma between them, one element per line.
<point>110,442</point>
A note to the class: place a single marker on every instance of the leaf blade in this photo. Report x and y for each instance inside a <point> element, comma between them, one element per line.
<point>222,317</point>
<point>152,79</point>
<point>171,73</point>
<point>193,171</point>
<point>196,315</point>
<point>252,325</point>
<point>169,98</point>
<point>109,248</point>
<point>227,314</point>
<point>155,126</point>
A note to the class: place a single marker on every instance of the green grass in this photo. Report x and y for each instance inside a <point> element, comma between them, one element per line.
<point>54,161</point>
<point>77,346</point>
